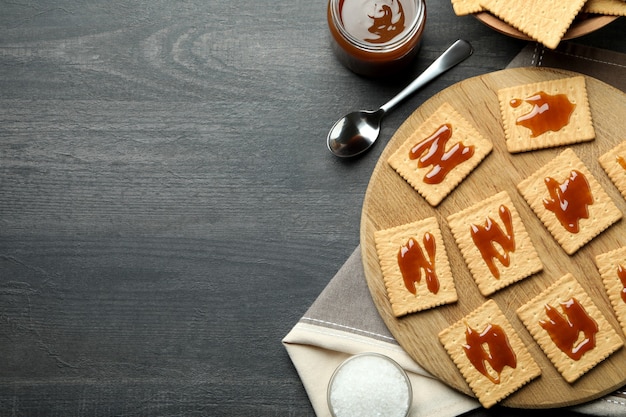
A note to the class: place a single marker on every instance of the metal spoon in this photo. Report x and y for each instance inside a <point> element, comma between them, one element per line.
<point>356,132</point>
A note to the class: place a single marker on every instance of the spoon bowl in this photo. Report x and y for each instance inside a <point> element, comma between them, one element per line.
<point>356,132</point>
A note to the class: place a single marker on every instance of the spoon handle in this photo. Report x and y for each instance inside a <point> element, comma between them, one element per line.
<point>456,53</point>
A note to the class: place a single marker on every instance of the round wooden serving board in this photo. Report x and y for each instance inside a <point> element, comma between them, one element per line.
<point>391,201</point>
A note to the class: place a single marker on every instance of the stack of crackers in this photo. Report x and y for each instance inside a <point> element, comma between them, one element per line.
<point>545,21</point>
<point>499,220</point>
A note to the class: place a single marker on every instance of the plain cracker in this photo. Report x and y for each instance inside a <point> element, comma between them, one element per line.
<point>579,128</point>
<point>563,290</point>
<point>606,7</point>
<point>602,213</point>
<point>608,264</point>
<point>462,131</point>
<point>388,243</point>
<point>453,339</point>
<point>524,260</point>
<point>465,7</point>
<point>545,21</point>
<point>611,162</point>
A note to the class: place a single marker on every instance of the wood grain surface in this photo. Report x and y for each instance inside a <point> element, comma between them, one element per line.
<point>390,201</point>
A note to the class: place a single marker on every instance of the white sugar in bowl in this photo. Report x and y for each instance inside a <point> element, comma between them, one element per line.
<point>369,384</point>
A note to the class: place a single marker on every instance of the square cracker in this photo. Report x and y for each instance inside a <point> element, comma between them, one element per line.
<point>523,259</point>
<point>612,267</point>
<point>606,7</point>
<point>546,21</point>
<point>579,127</point>
<point>389,242</point>
<point>561,292</point>
<point>465,7</point>
<point>511,379</point>
<point>462,132</point>
<point>614,163</point>
<point>602,212</point>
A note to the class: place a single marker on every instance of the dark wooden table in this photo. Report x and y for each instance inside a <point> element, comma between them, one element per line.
<point>168,208</point>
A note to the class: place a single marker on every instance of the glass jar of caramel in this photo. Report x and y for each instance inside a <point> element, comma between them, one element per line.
<point>376,37</point>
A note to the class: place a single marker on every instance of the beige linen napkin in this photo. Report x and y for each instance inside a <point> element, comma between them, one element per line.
<point>343,321</point>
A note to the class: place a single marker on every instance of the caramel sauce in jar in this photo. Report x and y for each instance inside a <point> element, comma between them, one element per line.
<point>549,112</point>
<point>432,152</point>
<point>376,37</point>
<point>569,200</point>
<point>412,261</point>
<point>489,347</point>
<point>573,333</point>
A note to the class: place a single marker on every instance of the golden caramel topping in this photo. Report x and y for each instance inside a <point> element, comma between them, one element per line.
<point>574,333</point>
<point>549,112</point>
<point>432,152</point>
<point>485,236</point>
<point>412,261</point>
<point>621,273</point>
<point>489,347</point>
<point>569,200</point>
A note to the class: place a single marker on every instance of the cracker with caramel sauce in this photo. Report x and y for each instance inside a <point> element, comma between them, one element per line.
<point>569,328</point>
<point>569,201</point>
<point>606,7</point>
<point>465,7</point>
<point>546,21</point>
<point>612,267</point>
<point>614,163</point>
<point>494,243</point>
<point>546,114</point>
<point>443,150</point>
<point>415,266</point>
<point>489,353</point>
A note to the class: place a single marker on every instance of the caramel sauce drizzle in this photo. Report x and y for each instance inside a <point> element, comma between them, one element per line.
<point>432,152</point>
<point>384,26</point>
<point>489,348</point>
<point>485,236</point>
<point>412,261</point>
<point>566,331</point>
<point>621,274</point>
<point>549,112</point>
<point>569,200</point>
<point>621,161</point>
